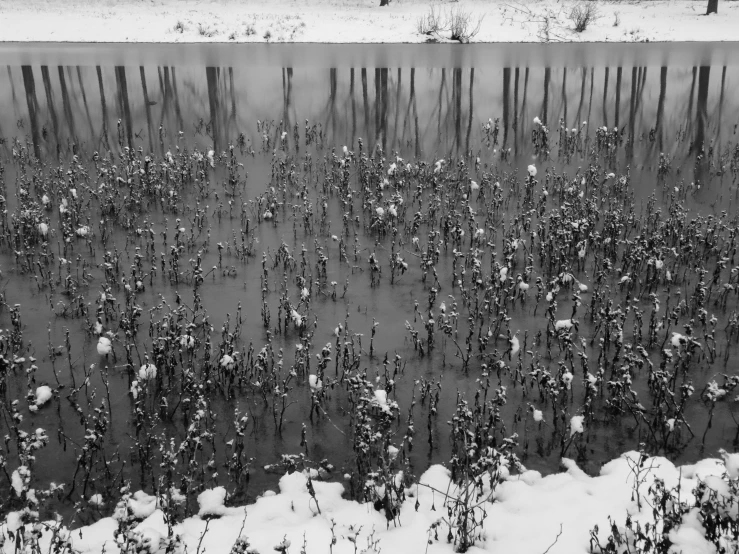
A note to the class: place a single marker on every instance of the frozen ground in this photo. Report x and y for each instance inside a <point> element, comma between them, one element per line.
<point>360,21</point>
<point>530,514</point>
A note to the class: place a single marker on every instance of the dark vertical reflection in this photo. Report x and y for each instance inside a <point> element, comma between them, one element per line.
<point>220,87</point>
<point>605,97</point>
<point>721,103</point>
<point>334,88</point>
<point>284,97</point>
<point>632,112</point>
<point>124,104</point>
<point>689,115</point>
<point>590,101</point>
<point>398,86</point>
<point>458,107</point>
<point>545,107</point>
<point>704,77</point>
<point>118,97</point>
<point>365,101</point>
<point>232,89</point>
<point>69,116</point>
<point>383,79</point>
<point>619,75</point>
<point>50,103</point>
<point>12,86</point>
<point>84,101</point>
<point>472,102</point>
<point>661,104</point>
<point>378,107</point>
<point>354,108</point>
<point>415,111</point>
<point>176,96</point>
<point>523,101</point>
<point>30,87</point>
<point>441,92</point>
<point>515,111</point>
<point>506,102</point>
<point>643,72</point>
<point>564,94</point>
<point>287,100</point>
<point>164,90</point>
<point>231,116</point>
<point>582,97</point>
<point>212,78</point>
<point>639,95</point>
<point>16,108</point>
<point>74,95</point>
<point>104,107</point>
<point>406,118</point>
<point>332,102</point>
<point>147,107</point>
<point>2,135</point>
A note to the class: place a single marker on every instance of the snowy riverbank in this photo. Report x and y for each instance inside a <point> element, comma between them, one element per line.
<point>530,514</point>
<point>355,21</point>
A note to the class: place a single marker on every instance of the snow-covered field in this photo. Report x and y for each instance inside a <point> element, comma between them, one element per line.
<point>531,514</point>
<point>356,21</point>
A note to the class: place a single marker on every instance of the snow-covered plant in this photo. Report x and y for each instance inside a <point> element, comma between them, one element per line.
<point>709,513</point>
<point>482,457</point>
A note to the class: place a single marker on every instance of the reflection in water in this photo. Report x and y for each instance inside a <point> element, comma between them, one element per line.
<point>545,101</point>
<point>66,105</point>
<point>104,109</point>
<point>32,103</point>
<point>414,112</point>
<point>212,78</point>
<point>147,107</point>
<point>704,77</point>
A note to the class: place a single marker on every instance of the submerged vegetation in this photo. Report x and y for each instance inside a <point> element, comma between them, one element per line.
<point>550,307</point>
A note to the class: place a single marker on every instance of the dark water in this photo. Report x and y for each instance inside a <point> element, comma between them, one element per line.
<point>418,104</point>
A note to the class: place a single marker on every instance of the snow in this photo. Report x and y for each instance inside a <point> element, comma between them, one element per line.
<point>576,424</point>
<point>523,502</point>
<point>315,383</point>
<point>515,345</point>
<point>211,502</point>
<point>353,21</point>
<point>104,346</point>
<point>142,505</point>
<point>43,395</point>
<point>731,461</point>
<point>17,479</point>
<point>563,324</point>
<point>381,397</point>
<point>147,371</point>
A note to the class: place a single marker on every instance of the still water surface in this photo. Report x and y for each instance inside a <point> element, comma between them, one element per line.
<point>417,103</point>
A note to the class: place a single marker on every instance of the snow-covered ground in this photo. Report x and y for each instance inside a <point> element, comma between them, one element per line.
<point>530,514</point>
<point>355,21</point>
